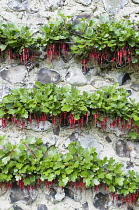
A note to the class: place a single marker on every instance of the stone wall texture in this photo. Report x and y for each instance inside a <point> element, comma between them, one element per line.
<point>35,13</point>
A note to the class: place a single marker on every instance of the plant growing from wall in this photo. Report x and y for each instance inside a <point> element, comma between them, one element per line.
<point>55,35</point>
<point>109,107</point>
<point>18,41</point>
<point>106,41</point>
<point>98,41</point>
<point>30,163</point>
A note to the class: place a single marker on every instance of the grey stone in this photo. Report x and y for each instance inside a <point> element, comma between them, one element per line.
<point>124,78</point>
<point>129,164</point>
<point>17,5</point>
<point>130,208</point>
<point>33,194</point>
<point>3,189</point>
<point>78,195</point>
<point>75,76</point>
<point>90,141</point>
<point>53,4</point>
<point>135,86</point>
<point>66,57</point>
<point>135,96</point>
<point>73,193</point>
<point>113,6</point>
<point>127,149</point>
<point>112,76</point>
<point>46,76</point>
<point>118,77</point>
<point>51,140</point>
<point>17,207</point>
<point>14,74</point>
<point>76,19</point>
<point>4,90</point>
<point>134,147</point>
<point>108,139</point>
<point>100,201</point>
<point>18,194</point>
<point>88,70</point>
<point>20,1</point>
<point>69,192</point>
<point>99,82</point>
<point>74,136</point>
<point>56,130</point>
<point>136,1</point>
<point>55,194</point>
<point>41,126</point>
<point>121,148</point>
<point>42,207</point>
<point>134,18</point>
<point>85,206</point>
<point>129,92</point>
<point>52,192</point>
<point>84,2</point>
<point>60,195</point>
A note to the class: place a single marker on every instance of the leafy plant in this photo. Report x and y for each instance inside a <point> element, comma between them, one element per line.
<point>106,41</point>
<point>30,163</point>
<point>18,41</point>
<point>54,36</point>
<point>100,41</point>
<point>67,106</point>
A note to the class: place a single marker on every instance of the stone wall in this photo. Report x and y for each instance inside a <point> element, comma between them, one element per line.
<point>35,13</point>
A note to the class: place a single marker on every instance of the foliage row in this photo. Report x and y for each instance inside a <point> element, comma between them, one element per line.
<point>67,106</point>
<point>30,162</point>
<point>100,41</point>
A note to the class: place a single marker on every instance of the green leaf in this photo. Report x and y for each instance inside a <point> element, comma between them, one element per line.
<point>71,149</point>
<point>1,153</point>
<point>3,47</point>
<point>132,43</point>
<point>51,177</point>
<point>77,116</point>
<point>27,181</point>
<point>32,179</point>
<point>134,60</point>
<point>119,181</point>
<point>45,110</point>
<point>133,135</point>
<point>2,113</point>
<point>12,111</point>
<point>124,191</point>
<point>68,170</point>
<point>112,188</point>
<point>95,181</point>
<point>136,118</point>
<point>137,51</point>
<point>109,176</point>
<point>23,169</point>
<point>74,176</point>
<point>19,165</point>
<point>31,140</point>
<point>5,177</point>
<point>66,108</point>
<point>101,175</point>
<point>57,172</point>
<point>63,182</point>
<point>87,181</point>
<point>24,113</point>
<point>89,31</point>
<point>5,159</point>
